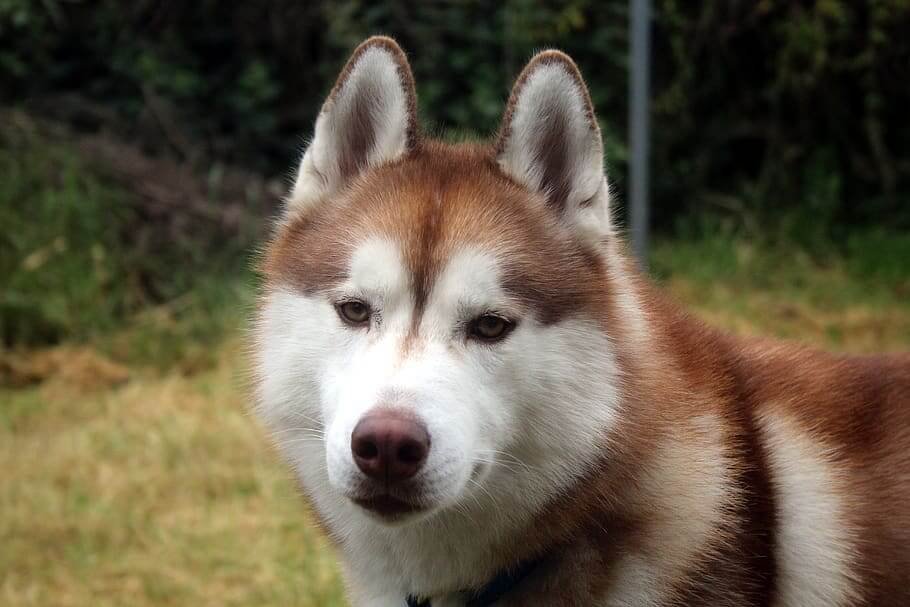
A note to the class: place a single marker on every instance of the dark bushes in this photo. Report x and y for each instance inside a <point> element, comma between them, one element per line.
<point>760,108</point>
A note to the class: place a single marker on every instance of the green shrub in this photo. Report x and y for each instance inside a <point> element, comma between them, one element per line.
<point>61,262</point>
<point>79,255</point>
<point>779,108</point>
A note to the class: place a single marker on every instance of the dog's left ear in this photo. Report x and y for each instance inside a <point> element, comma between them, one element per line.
<point>549,141</point>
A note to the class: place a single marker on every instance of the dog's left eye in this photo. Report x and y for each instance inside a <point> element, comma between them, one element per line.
<point>490,327</point>
<point>354,312</point>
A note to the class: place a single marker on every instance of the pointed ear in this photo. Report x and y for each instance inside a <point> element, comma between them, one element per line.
<point>550,142</point>
<point>369,118</point>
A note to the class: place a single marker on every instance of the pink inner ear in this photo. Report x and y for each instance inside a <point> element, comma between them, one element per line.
<point>358,131</point>
<point>553,155</point>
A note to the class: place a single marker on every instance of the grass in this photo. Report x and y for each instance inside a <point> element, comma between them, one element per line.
<point>857,299</point>
<point>151,485</point>
<point>159,490</point>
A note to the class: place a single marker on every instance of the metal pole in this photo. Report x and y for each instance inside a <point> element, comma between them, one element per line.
<point>639,81</point>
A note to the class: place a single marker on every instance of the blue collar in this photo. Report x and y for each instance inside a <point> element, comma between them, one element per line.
<point>485,597</point>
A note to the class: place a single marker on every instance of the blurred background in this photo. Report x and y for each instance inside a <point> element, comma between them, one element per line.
<point>145,145</point>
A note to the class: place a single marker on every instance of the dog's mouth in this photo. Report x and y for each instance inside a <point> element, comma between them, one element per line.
<point>388,506</point>
<point>402,502</point>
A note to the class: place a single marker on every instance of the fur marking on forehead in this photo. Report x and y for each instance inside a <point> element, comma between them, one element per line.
<point>432,204</point>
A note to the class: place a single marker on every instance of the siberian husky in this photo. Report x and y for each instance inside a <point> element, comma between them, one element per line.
<point>485,403</point>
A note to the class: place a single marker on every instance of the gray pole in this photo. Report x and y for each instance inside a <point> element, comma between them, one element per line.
<point>639,71</point>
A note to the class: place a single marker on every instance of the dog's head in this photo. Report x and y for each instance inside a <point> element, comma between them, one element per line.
<point>436,327</point>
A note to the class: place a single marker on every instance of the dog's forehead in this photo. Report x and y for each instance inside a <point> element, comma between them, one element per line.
<point>443,208</point>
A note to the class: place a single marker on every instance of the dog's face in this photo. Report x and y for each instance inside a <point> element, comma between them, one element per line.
<point>435,328</point>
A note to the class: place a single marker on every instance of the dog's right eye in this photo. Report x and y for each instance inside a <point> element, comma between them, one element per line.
<point>490,327</point>
<point>353,312</point>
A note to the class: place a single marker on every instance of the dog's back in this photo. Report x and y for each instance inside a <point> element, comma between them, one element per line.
<point>825,446</point>
<point>837,433</point>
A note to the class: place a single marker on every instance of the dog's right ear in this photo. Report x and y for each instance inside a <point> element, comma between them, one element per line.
<point>369,118</point>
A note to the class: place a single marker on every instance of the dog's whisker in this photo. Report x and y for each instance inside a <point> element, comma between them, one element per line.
<point>484,490</point>
<point>503,455</point>
<point>296,429</point>
<point>305,417</point>
<point>303,439</point>
<point>503,464</point>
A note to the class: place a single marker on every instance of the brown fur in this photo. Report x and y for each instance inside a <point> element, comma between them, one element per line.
<point>434,200</point>
<point>439,197</point>
<point>860,408</point>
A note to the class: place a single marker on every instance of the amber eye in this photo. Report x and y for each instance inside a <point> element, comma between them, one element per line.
<point>354,312</point>
<point>490,327</point>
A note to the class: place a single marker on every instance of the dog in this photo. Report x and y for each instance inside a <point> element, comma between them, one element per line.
<point>485,402</point>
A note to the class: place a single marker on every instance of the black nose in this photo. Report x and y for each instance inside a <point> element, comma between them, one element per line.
<point>389,445</point>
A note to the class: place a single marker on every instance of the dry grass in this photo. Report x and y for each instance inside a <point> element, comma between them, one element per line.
<point>159,491</point>
<point>857,326</point>
<point>156,488</point>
